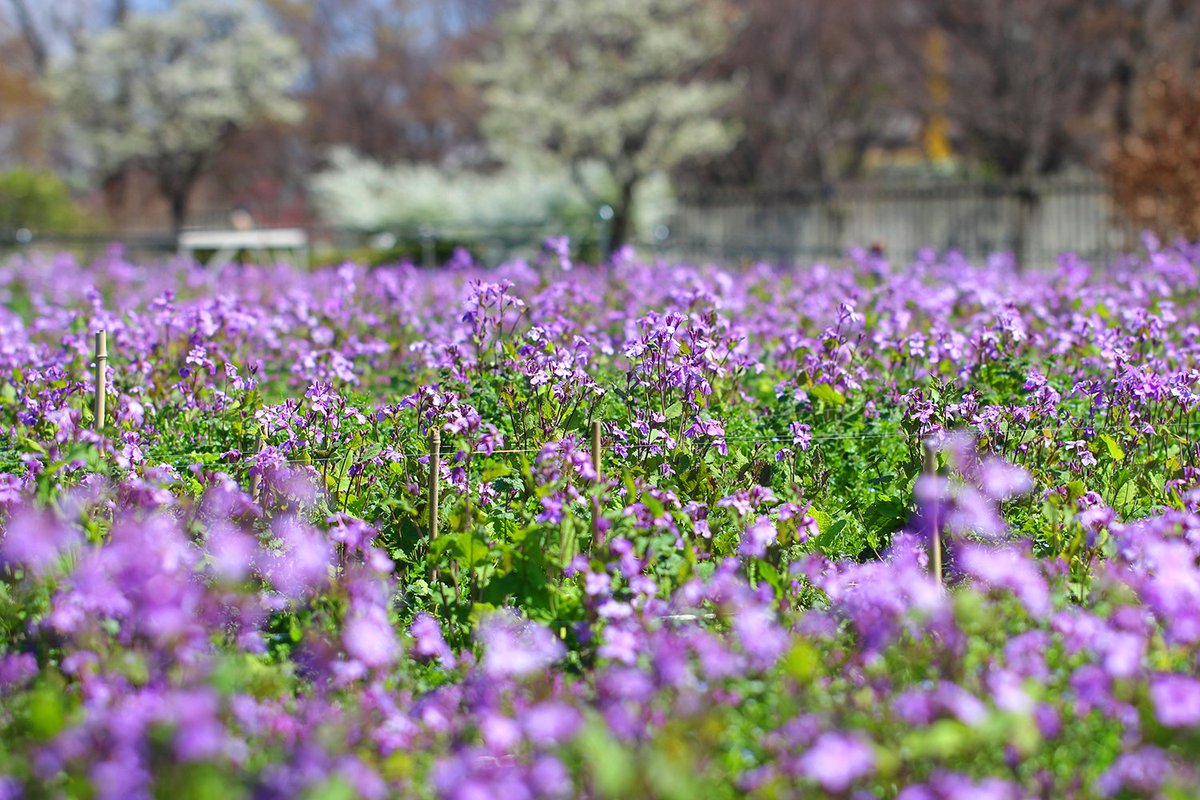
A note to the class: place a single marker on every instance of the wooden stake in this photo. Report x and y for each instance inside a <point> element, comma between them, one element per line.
<point>596,448</point>
<point>435,469</point>
<point>935,540</point>
<point>101,378</point>
<point>256,478</point>
<point>596,456</point>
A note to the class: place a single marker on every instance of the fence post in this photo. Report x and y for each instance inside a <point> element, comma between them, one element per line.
<point>101,378</point>
<point>435,468</point>
<point>935,536</point>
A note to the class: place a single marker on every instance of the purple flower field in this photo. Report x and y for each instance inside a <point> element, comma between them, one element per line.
<point>229,587</point>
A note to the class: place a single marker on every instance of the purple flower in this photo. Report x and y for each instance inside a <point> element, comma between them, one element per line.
<point>514,647</point>
<point>1093,689</point>
<point>369,637</point>
<point>232,553</point>
<point>500,733</point>
<point>1176,700</point>
<point>759,635</point>
<point>1002,480</point>
<point>837,760</point>
<point>620,644</point>
<point>304,562</point>
<point>550,778</point>
<point>199,733</point>
<point>597,583</point>
<point>551,723</point>
<point>10,490</point>
<point>1173,589</point>
<point>560,248</point>
<point>427,633</point>
<point>552,509</point>
<point>1142,772</point>
<point>34,540</point>
<point>757,538</point>
<point>1009,568</point>
<point>951,786</point>
<point>801,435</point>
<point>16,669</point>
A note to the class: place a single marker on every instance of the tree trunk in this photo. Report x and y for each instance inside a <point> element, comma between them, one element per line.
<point>622,221</point>
<point>175,182</point>
<point>1123,107</point>
<point>178,200</point>
<point>1028,200</point>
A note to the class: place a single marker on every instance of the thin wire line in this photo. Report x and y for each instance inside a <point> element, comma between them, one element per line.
<point>647,445</point>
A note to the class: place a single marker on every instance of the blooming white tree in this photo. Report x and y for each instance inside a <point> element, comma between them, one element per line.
<point>164,91</point>
<point>615,83</point>
<point>359,193</point>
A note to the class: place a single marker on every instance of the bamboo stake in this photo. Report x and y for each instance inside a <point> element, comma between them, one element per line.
<point>596,448</point>
<point>435,468</point>
<point>596,456</point>
<point>101,378</point>
<point>256,478</point>
<point>935,542</point>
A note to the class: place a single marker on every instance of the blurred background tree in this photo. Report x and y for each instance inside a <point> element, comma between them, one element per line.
<point>618,86</point>
<point>821,82</point>
<point>379,74</point>
<point>1024,73</point>
<point>1156,171</point>
<point>164,92</point>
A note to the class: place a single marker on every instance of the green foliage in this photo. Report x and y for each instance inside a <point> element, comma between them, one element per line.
<point>39,201</point>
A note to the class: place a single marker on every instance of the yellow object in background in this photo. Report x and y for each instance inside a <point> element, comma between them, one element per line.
<point>935,139</point>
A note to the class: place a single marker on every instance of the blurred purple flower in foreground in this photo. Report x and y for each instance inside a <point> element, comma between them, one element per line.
<point>514,647</point>
<point>837,760</point>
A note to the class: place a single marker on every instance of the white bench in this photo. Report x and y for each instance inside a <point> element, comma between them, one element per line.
<point>276,244</point>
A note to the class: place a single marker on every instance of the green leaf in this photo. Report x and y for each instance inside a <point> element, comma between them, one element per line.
<point>655,506</point>
<point>1114,450</point>
<point>46,713</point>
<point>822,519</point>
<point>473,549</point>
<point>674,411</point>
<point>494,470</point>
<point>802,662</point>
<point>1126,495</point>
<point>823,391</point>
<point>611,765</point>
<point>769,574</point>
<point>443,543</point>
<point>943,739</point>
<point>886,514</point>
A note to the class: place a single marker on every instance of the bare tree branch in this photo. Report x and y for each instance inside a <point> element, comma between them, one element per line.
<point>32,36</point>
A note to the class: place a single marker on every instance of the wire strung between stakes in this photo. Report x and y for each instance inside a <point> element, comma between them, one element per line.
<point>649,445</point>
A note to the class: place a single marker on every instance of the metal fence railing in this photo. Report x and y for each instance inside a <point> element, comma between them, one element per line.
<point>424,245</point>
<point>976,218</point>
<point>1035,223</point>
